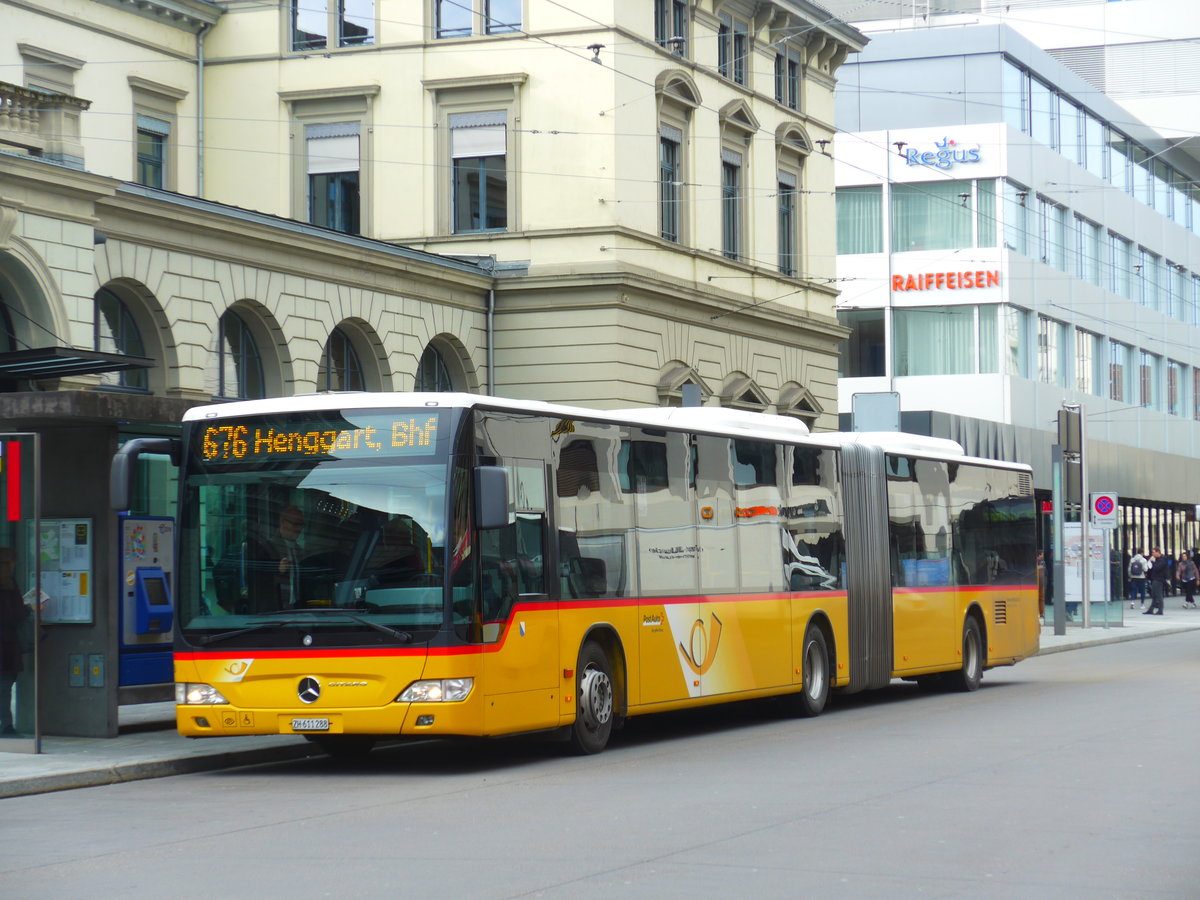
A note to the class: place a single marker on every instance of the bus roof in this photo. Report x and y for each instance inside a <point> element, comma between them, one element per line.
<point>711,419</point>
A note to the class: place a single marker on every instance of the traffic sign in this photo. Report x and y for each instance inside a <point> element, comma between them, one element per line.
<point>1104,510</point>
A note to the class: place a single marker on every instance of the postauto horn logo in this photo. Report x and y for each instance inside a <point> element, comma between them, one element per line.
<point>944,157</point>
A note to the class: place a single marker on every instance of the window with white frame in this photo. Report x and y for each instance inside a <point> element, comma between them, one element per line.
<point>731,204</point>
<point>670,181</point>
<point>733,47</point>
<point>1149,368</point>
<point>1016,217</point>
<point>671,25</point>
<point>1149,274</point>
<point>1120,265</point>
<point>1053,221</point>
<point>1175,387</point>
<point>1196,393</point>
<point>932,215</point>
<point>863,353</point>
<point>326,24</point>
<point>945,340</point>
<point>155,115</point>
<point>787,220</point>
<point>791,150</point>
<point>332,160</point>
<point>478,152</point>
<point>1016,341</point>
<point>1052,361</point>
<point>1089,249</point>
<point>860,219</point>
<point>153,136</point>
<point>787,76</point>
<point>464,18</point>
<point>1086,361</point>
<point>330,142</point>
<point>1119,371</point>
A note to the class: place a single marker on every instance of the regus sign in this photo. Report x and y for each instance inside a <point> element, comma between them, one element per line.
<point>944,157</point>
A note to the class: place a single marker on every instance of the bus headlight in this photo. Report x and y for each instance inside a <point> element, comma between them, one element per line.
<point>188,693</point>
<point>439,690</point>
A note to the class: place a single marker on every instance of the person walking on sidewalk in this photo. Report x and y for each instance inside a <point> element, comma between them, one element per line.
<point>1138,566</point>
<point>1160,571</point>
<point>1186,574</point>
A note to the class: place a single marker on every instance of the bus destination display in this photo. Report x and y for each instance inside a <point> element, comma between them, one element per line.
<point>355,436</point>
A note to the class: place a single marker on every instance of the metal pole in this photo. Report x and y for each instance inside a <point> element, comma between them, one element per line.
<point>1084,522</point>
<point>1058,595</point>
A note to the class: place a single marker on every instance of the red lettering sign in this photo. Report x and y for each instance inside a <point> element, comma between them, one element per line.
<point>946,281</point>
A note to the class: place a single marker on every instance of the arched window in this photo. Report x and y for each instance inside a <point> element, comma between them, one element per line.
<point>340,369</point>
<point>239,366</point>
<point>115,331</point>
<point>432,373</point>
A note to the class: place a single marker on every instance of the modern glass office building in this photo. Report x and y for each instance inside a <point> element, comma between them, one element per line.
<point>1009,241</point>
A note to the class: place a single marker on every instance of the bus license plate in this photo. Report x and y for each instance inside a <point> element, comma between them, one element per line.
<point>310,724</point>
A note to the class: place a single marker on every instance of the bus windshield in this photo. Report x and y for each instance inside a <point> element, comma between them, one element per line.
<point>324,529</point>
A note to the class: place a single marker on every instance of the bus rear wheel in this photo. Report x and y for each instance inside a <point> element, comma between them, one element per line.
<point>814,675</point>
<point>594,701</point>
<point>969,676</point>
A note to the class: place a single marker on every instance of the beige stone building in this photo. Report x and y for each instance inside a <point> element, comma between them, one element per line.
<point>591,203</point>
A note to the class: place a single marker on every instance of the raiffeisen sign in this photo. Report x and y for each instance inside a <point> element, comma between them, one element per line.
<point>944,157</point>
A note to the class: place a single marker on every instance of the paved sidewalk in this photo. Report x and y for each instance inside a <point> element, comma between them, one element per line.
<point>148,746</point>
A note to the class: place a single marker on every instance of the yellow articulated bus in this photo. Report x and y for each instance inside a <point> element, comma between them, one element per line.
<point>363,565</point>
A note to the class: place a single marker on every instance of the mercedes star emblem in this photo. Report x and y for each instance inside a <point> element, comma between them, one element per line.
<point>308,690</point>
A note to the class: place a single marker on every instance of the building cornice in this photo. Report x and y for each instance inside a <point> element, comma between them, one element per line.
<point>186,15</point>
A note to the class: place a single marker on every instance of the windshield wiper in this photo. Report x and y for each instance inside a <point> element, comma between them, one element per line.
<point>403,636</point>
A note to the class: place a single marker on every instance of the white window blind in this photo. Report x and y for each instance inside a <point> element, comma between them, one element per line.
<point>478,134</point>
<point>332,147</point>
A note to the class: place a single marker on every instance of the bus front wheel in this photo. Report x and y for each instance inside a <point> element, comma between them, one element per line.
<point>969,676</point>
<point>814,675</point>
<point>594,702</point>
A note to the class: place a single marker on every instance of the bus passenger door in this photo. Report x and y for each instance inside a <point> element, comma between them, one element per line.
<point>520,625</point>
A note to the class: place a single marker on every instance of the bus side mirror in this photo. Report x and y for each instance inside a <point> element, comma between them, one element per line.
<point>124,465</point>
<point>491,497</point>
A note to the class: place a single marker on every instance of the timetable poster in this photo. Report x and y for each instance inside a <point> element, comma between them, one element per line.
<point>66,556</point>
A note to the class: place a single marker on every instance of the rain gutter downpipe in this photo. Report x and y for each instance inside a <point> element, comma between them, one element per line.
<point>491,340</point>
<point>204,28</point>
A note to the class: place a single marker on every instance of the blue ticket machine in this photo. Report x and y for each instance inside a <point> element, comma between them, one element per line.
<point>147,613</point>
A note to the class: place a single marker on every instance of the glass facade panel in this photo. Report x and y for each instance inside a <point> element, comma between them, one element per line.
<point>985,213</point>
<point>860,219</point>
<point>1016,341</point>
<point>862,354</point>
<point>1015,97</point>
<point>1118,370</point>
<point>933,215</point>
<point>1016,218</point>
<point>1043,109</point>
<point>934,340</point>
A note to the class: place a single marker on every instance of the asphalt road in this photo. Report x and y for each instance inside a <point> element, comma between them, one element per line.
<point>1071,775</point>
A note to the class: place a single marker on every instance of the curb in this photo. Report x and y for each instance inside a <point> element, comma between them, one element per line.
<point>65,781</point>
<point>1116,639</point>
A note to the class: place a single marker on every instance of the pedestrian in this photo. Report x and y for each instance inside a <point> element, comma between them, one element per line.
<point>1138,566</point>
<point>1158,576</point>
<point>1187,573</point>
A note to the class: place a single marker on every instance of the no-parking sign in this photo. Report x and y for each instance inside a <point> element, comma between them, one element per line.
<point>1104,510</point>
